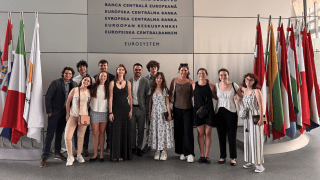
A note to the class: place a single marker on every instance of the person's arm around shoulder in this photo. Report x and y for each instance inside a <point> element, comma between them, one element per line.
<point>49,95</point>
<point>111,86</point>
<point>240,91</point>
<point>130,98</point>
<point>258,95</point>
<point>70,96</point>
<point>171,89</point>
<point>213,90</point>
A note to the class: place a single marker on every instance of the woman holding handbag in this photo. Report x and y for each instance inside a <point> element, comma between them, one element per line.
<point>227,118</point>
<point>253,126</point>
<point>98,112</point>
<point>181,93</point>
<point>204,113</point>
<point>159,116</point>
<point>80,96</point>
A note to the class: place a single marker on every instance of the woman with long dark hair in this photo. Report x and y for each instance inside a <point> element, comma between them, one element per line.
<point>203,93</point>
<point>253,126</point>
<point>181,93</point>
<point>72,117</point>
<point>120,112</point>
<point>98,112</point>
<point>159,116</point>
<point>227,118</point>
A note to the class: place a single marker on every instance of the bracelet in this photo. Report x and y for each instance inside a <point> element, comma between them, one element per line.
<point>110,113</point>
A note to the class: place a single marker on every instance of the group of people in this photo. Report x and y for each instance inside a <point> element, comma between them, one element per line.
<point>122,108</point>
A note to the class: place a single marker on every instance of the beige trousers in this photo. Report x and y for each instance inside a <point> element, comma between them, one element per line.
<point>70,127</point>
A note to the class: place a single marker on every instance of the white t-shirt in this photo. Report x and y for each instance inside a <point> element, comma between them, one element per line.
<point>99,104</point>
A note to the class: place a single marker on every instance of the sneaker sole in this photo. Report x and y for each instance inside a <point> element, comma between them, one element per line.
<point>259,171</point>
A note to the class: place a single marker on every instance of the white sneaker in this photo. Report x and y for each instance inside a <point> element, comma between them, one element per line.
<point>190,158</point>
<point>182,157</point>
<point>157,155</point>
<point>80,158</point>
<point>259,169</point>
<point>164,156</point>
<point>248,165</point>
<point>70,160</point>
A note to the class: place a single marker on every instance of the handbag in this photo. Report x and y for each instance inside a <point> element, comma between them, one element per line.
<point>255,119</point>
<point>83,120</point>
<point>203,110</point>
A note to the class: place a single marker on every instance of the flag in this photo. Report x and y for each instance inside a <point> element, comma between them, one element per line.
<point>5,71</point>
<point>312,82</point>
<point>275,110</point>
<point>33,109</point>
<point>304,114</point>
<point>14,106</point>
<point>259,71</point>
<point>287,102</point>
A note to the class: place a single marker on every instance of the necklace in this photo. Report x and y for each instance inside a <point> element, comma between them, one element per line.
<point>120,82</point>
<point>183,81</point>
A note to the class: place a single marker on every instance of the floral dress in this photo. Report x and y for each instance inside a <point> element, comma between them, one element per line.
<point>160,130</point>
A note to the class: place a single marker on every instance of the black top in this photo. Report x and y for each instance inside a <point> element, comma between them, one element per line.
<point>201,93</point>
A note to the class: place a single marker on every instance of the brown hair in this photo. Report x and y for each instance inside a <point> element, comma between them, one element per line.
<point>94,89</point>
<point>202,69</point>
<point>67,68</point>
<point>252,76</point>
<point>222,69</point>
<point>184,65</point>
<point>153,63</point>
<point>103,61</point>
<point>163,84</point>
<point>80,84</point>
<point>117,76</point>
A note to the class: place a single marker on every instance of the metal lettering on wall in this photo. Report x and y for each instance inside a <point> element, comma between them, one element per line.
<point>140,26</point>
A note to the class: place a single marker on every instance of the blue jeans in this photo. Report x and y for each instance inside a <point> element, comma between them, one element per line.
<point>56,124</point>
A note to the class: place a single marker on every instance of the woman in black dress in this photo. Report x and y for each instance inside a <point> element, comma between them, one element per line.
<point>120,112</point>
<point>203,93</point>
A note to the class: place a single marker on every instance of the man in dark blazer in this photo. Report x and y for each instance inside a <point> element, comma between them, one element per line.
<point>55,101</point>
<point>140,89</point>
<point>103,66</point>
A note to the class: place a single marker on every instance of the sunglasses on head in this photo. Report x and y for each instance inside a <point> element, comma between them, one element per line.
<point>183,64</point>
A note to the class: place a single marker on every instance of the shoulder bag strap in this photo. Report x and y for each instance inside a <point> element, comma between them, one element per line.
<point>234,88</point>
<point>79,101</point>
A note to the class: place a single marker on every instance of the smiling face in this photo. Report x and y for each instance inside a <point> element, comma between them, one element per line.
<point>137,71</point>
<point>184,71</point>
<point>202,74</point>
<point>103,77</point>
<point>82,69</point>
<point>159,79</point>
<point>103,67</point>
<point>67,75</point>
<point>86,81</point>
<point>121,71</point>
<point>249,81</point>
<point>223,76</point>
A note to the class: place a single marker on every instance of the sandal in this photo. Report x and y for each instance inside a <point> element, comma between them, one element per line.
<point>207,160</point>
<point>233,164</point>
<point>222,162</point>
<point>201,160</point>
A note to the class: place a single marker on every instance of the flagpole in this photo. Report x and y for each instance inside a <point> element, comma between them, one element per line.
<point>287,38</point>
<point>278,33</point>
<point>24,38</point>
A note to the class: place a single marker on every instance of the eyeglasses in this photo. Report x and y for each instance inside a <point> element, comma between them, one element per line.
<point>250,80</point>
<point>183,64</point>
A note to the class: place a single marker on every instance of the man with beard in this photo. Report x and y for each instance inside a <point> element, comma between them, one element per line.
<point>140,90</point>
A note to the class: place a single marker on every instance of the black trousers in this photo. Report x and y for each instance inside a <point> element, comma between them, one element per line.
<point>183,131</point>
<point>56,125</point>
<point>227,125</point>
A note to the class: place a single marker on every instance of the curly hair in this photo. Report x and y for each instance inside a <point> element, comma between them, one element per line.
<point>65,69</point>
<point>153,63</point>
<point>252,76</point>
<point>82,63</point>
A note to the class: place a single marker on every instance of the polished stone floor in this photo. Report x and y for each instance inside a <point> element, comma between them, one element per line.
<point>300,164</point>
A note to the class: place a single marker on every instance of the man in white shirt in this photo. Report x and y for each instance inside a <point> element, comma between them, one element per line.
<point>140,90</point>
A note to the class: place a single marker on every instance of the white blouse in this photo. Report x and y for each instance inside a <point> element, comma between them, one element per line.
<point>99,104</point>
<point>225,99</point>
